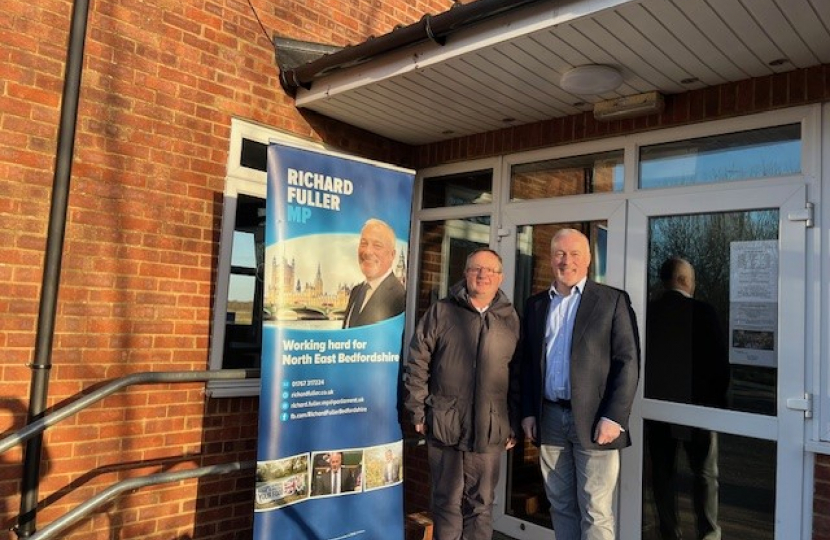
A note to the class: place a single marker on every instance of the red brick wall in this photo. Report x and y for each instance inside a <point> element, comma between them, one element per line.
<point>160,85</point>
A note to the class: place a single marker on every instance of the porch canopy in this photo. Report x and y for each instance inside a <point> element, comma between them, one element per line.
<point>490,64</point>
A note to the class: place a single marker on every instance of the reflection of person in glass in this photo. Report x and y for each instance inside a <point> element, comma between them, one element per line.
<point>686,361</point>
<point>335,479</point>
<point>382,295</point>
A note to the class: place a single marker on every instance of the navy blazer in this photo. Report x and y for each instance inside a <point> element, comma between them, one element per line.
<point>387,301</point>
<point>605,360</point>
<point>322,482</point>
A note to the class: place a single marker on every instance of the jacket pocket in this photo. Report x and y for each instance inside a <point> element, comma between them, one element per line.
<point>499,425</point>
<point>443,419</point>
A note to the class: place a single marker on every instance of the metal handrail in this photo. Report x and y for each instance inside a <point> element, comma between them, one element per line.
<point>25,527</point>
<point>81,511</point>
<point>149,377</point>
<point>154,377</point>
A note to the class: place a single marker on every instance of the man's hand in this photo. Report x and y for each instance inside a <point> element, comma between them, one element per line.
<point>606,431</point>
<point>511,441</point>
<point>529,427</point>
<point>421,428</point>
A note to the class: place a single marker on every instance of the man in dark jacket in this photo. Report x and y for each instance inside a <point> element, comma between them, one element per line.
<point>462,393</point>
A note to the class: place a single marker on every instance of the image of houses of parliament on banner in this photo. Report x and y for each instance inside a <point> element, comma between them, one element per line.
<point>314,292</point>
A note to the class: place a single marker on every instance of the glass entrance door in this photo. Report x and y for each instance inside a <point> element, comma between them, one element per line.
<point>718,446</point>
<point>719,450</point>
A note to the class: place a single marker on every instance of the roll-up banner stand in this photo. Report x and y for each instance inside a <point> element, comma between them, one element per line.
<point>330,449</point>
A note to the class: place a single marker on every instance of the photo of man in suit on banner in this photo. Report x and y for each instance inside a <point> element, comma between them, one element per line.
<point>382,294</point>
<point>335,479</point>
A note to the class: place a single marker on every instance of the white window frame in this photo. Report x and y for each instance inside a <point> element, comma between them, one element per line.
<point>821,280</point>
<point>239,180</point>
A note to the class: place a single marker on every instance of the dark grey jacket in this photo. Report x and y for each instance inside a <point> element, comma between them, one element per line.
<point>460,378</point>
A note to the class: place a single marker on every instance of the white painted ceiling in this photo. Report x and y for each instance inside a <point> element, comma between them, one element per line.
<point>506,71</point>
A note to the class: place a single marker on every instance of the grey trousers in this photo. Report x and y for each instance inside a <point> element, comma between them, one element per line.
<point>463,491</point>
<point>579,482</point>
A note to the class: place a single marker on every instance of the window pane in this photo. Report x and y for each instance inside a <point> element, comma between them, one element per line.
<point>594,173</point>
<point>254,155</point>
<point>444,249</point>
<point>761,153</point>
<point>244,250</point>
<point>245,313</point>
<point>681,353</point>
<point>704,484</point>
<point>240,299</point>
<point>458,189</point>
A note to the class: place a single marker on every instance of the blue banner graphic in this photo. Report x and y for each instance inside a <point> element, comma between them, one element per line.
<point>330,450</point>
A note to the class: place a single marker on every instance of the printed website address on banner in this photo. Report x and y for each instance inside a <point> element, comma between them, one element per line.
<point>327,412</point>
<point>326,402</point>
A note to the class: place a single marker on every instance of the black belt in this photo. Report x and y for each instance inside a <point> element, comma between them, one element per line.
<point>564,403</point>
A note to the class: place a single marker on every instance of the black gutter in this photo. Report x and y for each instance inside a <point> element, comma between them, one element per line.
<point>42,364</point>
<point>435,28</point>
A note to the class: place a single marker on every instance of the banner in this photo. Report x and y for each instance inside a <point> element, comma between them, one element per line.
<point>330,449</point>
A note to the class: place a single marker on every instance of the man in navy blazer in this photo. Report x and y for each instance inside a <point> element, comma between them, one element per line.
<point>580,369</point>
<point>382,295</point>
<point>336,479</point>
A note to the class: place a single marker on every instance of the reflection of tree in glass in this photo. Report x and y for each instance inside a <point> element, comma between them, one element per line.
<point>704,240</point>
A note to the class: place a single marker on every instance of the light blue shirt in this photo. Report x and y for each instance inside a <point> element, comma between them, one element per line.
<point>558,336</point>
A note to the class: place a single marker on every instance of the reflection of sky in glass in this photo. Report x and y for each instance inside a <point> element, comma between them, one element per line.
<point>242,287</point>
<point>243,250</point>
<point>695,164</point>
<point>619,177</point>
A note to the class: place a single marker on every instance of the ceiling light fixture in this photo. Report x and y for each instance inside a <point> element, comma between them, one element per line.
<point>591,80</point>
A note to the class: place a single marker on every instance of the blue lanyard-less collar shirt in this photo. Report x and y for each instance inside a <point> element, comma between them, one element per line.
<point>558,335</point>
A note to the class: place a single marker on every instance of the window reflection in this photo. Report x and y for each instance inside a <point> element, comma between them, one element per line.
<point>474,187</point>
<point>760,153</point>
<point>594,173</point>
<point>708,242</point>
<point>245,311</point>
<point>703,484</point>
<point>444,249</point>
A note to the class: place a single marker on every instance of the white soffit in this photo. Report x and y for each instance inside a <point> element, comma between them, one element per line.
<point>506,71</point>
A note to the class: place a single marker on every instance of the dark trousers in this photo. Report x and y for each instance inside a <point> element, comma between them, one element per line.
<point>463,491</point>
<point>701,448</point>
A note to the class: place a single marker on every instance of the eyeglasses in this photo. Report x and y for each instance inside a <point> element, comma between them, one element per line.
<point>483,270</point>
